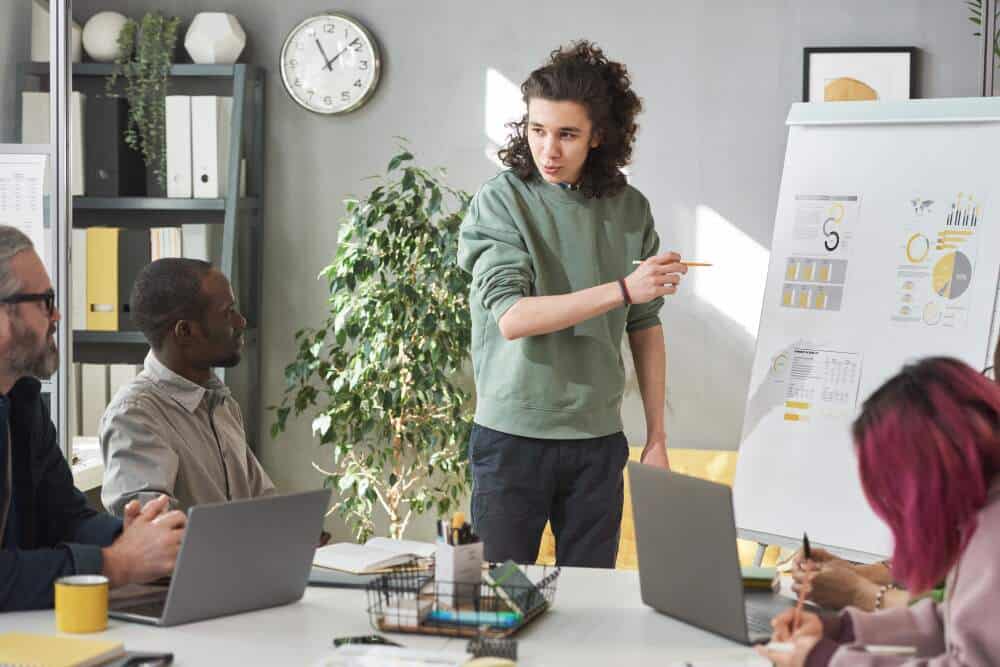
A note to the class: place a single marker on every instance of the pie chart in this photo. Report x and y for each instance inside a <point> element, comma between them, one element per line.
<point>951,275</point>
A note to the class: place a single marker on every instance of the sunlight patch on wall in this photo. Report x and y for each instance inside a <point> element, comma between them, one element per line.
<point>503,105</point>
<point>735,283</point>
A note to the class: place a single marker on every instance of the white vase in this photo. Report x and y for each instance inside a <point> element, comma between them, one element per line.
<point>100,35</point>
<point>215,38</point>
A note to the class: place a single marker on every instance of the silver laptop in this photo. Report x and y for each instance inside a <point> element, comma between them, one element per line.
<point>689,567</point>
<point>236,557</point>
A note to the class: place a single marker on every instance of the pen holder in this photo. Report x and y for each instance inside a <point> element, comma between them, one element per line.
<point>458,571</point>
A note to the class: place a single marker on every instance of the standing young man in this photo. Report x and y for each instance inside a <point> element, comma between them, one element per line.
<point>550,244</point>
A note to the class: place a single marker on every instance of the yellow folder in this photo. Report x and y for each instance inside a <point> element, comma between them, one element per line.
<point>18,648</point>
<point>102,279</point>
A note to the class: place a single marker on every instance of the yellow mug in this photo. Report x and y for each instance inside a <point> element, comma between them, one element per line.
<point>82,603</point>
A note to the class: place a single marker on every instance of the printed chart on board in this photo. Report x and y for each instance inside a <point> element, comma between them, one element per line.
<point>937,257</point>
<point>816,270</point>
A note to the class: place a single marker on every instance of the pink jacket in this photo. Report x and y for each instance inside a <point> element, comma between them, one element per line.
<point>963,630</point>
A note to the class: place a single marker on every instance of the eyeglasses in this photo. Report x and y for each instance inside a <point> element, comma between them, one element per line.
<point>48,298</point>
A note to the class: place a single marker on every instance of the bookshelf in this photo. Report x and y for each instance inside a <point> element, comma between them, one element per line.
<point>241,217</point>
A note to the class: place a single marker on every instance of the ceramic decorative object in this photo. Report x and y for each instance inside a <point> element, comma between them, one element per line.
<point>100,35</point>
<point>215,38</point>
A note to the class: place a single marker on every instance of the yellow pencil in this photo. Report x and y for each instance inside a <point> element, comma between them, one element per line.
<point>639,261</point>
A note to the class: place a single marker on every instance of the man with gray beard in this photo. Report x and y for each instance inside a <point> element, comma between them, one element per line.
<point>46,528</point>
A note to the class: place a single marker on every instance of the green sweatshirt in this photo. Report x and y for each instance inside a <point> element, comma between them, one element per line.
<point>538,239</point>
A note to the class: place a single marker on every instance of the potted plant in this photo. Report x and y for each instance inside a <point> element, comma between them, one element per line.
<point>381,376</point>
<point>145,55</point>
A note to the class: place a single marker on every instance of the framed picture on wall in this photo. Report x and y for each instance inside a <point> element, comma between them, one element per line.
<point>839,74</point>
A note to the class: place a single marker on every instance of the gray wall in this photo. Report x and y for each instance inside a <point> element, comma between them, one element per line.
<point>717,79</point>
<point>15,32</point>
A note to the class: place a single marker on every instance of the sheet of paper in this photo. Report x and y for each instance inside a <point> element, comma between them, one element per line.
<point>391,656</point>
<point>937,258</point>
<point>22,180</point>
<point>816,268</point>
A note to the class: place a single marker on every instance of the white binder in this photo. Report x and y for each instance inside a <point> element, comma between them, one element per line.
<point>35,129</point>
<point>210,130</point>
<point>178,125</point>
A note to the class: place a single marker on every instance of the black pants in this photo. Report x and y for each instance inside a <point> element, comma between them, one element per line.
<point>577,485</point>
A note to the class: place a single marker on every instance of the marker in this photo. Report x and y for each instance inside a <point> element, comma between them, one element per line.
<point>806,551</point>
<point>639,261</point>
<point>501,619</point>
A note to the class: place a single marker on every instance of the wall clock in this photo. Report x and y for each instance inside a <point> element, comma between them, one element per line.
<point>330,63</point>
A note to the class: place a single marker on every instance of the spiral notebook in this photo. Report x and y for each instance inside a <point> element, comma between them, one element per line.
<point>18,648</point>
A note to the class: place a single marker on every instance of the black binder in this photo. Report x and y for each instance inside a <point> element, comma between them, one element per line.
<point>112,168</point>
<point>134,251</point>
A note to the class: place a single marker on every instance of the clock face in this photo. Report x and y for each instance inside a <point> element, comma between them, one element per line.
<point>330,64</point>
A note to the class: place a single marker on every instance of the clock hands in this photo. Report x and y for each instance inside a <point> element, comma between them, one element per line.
<point>329,64</point>
<point>329,61</point>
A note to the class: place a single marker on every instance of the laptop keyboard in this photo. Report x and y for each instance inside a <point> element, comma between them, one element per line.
<point>152,609</point>
<point>758,623</point>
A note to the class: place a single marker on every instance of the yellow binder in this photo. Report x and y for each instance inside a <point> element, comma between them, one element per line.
<point>102,279</point>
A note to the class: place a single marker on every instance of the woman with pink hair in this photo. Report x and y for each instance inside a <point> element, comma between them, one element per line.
<point>928,448</point>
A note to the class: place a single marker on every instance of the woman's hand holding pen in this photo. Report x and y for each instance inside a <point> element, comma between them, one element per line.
<point>655,277</point>
<point>800,631</point>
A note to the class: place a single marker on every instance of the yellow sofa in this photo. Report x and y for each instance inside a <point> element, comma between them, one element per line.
<point>714,465</point>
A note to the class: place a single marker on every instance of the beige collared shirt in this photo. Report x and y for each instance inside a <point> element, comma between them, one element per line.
<point>163,433</point>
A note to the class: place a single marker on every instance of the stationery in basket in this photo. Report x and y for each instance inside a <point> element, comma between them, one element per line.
<point>458,562</point>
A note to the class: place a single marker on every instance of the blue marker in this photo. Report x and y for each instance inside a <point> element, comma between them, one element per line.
<point>497,619</point>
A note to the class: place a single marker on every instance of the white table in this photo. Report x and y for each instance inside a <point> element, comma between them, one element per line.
<point>597,619</point>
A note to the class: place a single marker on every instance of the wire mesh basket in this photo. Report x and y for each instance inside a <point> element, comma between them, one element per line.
<point>410,600</point>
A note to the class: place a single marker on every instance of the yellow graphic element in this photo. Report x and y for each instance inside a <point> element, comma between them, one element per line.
<point>819,301</point>
<point>908,284</point>
<point>779,363</point>
<point>803,299</point>
<point>790,274</point>
<point>932,313</point>
<point>905,310</point>
<point>823,275</point>
<point>955,232</point>
<point>807,271</point>
<point>846,89</point>
<point>837,212</point>
<point>945,246</point>
<point>917,248</point>
<point>796,405</point>
<point>965,212</point>
<point>792,417</point>
<point>952,274</point>
<point>786,298</point>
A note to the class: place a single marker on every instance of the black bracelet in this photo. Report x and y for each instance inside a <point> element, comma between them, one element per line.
<point>625,295</point>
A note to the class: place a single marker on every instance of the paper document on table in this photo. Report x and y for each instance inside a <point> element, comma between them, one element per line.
<point>22,179</point>
<point>391,656</point>
<point>725,657</point>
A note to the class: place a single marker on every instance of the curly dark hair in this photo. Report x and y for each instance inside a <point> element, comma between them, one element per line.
<point>582,73</point>
<point>166,291</point>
